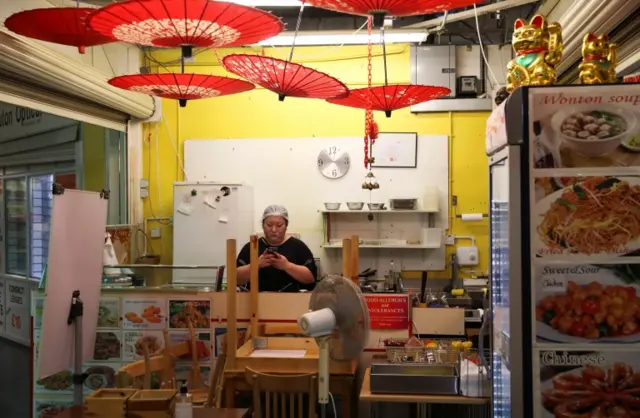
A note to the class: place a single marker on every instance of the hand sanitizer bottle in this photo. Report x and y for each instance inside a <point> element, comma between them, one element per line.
<point>184,403</point>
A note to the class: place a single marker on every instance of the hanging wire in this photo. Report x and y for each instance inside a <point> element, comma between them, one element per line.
<point>384,55</point>
<point>295,34</point>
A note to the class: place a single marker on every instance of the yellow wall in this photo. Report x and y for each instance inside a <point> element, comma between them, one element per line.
<point>93,153</point>
<point>258,114</point>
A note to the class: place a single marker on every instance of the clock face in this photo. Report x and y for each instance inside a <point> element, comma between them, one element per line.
<point>333,162</point>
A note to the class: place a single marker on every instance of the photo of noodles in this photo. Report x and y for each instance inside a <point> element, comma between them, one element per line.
<point>598,215</point>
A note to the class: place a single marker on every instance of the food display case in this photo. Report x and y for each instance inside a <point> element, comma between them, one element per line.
<point>565,251</point>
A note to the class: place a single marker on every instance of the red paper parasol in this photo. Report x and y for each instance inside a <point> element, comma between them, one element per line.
<point>59,25</point>
<point>392,97</point>
<point>180,86</point>
<point>285,78</point>
<point>381,8</point>
<point>185,23</point>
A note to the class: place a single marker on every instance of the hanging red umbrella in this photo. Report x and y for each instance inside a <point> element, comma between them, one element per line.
<point>392,97</point>
<point>285,78</point>
<point>381,8</point>
<point>181,86</point>
<point>185,24</point>
<point>59,25</point>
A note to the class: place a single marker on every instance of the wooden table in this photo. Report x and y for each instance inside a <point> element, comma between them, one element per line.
<point>78,412</point>
<point>341,385</point>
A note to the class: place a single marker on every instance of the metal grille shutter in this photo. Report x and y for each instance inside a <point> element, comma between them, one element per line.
<point>55,146</point>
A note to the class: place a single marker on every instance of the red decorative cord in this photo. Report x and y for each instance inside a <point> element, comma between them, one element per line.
<point>368,124</point>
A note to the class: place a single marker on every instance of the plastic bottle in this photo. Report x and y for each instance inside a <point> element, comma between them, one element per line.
<point>184,404</point>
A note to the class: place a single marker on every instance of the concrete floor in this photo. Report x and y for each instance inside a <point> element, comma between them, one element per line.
<point>14,380</point>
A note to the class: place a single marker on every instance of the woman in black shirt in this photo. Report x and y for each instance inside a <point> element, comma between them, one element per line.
<point>286,263</point>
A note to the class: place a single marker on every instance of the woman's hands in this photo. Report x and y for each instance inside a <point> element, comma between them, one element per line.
<point>273,260</point>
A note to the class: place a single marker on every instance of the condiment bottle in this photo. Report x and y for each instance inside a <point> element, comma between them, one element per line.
<point>184,404</point>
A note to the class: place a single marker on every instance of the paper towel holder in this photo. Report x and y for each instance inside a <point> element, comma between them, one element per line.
<point>470,217</point>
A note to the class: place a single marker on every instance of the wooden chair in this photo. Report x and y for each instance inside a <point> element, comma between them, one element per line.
<point>284,395</point>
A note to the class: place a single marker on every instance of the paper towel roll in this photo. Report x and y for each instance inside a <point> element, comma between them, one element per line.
<point>471,217</point>
<point>431,199</point>
<point>318,323</point>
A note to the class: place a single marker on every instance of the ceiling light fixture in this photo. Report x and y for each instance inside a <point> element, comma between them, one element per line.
<point>268,3</point>
<point>341,38</point>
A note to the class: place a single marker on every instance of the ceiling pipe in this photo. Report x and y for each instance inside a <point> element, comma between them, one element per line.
<point>469,14</point>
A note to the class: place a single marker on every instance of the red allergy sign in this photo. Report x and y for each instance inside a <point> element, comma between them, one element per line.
<point>388,312</point>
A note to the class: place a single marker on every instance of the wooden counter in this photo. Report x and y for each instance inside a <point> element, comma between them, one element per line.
<point>367,396</point>
<point>78,412</point>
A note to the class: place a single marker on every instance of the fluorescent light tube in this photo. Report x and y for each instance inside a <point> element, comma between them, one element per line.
<point>328,38</point>
<point>268,3</point>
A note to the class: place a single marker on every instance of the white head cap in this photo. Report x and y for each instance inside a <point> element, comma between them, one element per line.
<point>275,210</point>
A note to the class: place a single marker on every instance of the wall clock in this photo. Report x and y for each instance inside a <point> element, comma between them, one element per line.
<point>333,162</point>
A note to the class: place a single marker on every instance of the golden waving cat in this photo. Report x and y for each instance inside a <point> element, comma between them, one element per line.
<point>599,59</point>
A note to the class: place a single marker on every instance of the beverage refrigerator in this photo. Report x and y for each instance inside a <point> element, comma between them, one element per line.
<point>564,169</point>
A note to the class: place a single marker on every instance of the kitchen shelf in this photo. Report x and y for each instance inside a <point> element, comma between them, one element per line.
<point>387,246</point>
<point>365,210</point>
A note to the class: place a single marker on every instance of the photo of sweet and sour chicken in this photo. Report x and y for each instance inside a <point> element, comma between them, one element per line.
<point>593,311</point>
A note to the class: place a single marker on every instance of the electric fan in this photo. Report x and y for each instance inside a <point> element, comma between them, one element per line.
<point>338,319</point>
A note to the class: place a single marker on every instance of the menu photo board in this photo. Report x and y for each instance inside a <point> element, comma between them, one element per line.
<point>17,309</point>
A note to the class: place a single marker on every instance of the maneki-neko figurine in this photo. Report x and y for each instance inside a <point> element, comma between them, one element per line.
<point>599,60</point>
<point>538,47</point>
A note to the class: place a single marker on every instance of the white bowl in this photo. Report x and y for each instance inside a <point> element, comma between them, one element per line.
<point>593,147</point>
<point>332,206</point>
<point>355,205</point>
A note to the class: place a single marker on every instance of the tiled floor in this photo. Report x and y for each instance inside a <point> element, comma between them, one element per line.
<point>14,380</point>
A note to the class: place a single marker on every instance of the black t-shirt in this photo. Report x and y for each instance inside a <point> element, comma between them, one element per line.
<point>273,280</point>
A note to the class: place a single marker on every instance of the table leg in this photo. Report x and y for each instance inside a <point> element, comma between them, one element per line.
<point>229,394</point>
<point>345,407</point>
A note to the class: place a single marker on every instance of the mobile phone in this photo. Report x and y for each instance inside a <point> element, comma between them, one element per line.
<point>272,250</point>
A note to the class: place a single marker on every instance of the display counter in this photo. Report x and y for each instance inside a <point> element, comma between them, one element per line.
<point>130,315</point>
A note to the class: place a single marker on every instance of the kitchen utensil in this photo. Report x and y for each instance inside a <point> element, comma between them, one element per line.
<point>332,206</point>
<point>376,206</point>
<point>403,204</point>
<point>355,205</point>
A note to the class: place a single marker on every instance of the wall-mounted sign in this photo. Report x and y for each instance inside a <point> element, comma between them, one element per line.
<point>16,309</point>
<point>388,312</point>
<point>19,122</point>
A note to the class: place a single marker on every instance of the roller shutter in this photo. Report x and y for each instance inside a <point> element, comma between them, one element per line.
<point>34,76</point>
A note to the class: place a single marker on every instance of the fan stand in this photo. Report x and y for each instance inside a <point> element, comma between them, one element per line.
<point>323,374</point>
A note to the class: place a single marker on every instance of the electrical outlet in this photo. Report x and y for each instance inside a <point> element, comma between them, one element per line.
<point>449,240</point>
<point>155,233</point>
<point>144,193</point>
<point>144,183</point>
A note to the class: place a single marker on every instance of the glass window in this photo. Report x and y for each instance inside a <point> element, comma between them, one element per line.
<point>40,222</point>
<point>16,210</point>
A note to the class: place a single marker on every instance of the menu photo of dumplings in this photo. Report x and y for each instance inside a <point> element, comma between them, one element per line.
<point>590,384</point>
<point>594,216</point>
<point>587,303</point>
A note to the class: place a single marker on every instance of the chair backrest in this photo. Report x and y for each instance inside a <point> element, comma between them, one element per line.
<point>285,396</point>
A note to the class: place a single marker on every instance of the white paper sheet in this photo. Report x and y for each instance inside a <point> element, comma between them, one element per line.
<point>279,353</point>
<point>210,201</point>
<point>185,208</point>
<point>78,224</point>
<point>223,219</point>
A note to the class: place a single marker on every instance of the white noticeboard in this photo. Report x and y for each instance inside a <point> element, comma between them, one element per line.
<point>396,150</point>
<point>17,312</point>
<point>78,225</point>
